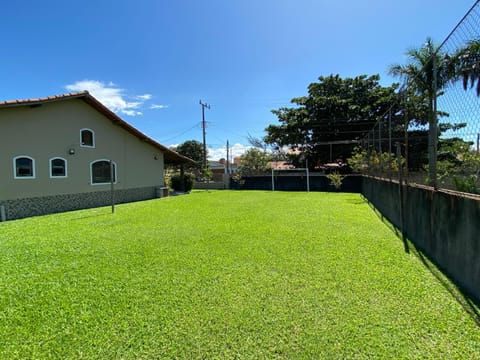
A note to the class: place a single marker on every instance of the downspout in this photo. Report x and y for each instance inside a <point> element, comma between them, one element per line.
<point>3,216</point>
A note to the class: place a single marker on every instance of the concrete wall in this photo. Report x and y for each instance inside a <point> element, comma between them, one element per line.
<point>34,206</point>
<point>444,225</point>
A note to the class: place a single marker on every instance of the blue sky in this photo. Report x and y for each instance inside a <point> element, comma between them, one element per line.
<point>151,61</point>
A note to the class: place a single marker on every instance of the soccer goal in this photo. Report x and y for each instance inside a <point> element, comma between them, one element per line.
<point>292,172</point>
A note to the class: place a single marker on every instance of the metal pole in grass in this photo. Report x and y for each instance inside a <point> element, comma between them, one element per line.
<point>273,180</point>
<point>112,193</point>
<point>308,175</point>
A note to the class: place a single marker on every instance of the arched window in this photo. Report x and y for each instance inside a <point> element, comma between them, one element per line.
<point>87,138</point>
<point>24,167</point>
<point>58,168</point>
<point>100,172</point>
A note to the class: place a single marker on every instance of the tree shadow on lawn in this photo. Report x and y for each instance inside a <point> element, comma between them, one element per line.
<point>458,292</point>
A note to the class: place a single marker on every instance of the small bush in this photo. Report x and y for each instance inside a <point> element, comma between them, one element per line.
<point>182,184</point>
<point>466,184</point>
<point>335,180</point>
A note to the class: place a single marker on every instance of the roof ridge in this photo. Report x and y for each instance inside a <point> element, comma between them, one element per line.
<point>45,99</point>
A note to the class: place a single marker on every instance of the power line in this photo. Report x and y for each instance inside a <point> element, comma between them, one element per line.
<point>182,133</point>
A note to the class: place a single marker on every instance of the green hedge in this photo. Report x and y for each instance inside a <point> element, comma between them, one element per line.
<point>186,185</point>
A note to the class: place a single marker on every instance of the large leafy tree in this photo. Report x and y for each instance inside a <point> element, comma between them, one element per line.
<point>254,162</point>
<point>192,149</point>
<point>336,113</point>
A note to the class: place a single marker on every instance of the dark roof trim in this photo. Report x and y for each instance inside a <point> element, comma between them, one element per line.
<point>170,156</point>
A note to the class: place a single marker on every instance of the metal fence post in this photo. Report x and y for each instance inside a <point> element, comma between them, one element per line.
<point>400,195</point>
<point>432,130</point>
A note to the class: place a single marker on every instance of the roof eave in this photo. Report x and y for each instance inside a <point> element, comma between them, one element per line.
<point>170,156</point>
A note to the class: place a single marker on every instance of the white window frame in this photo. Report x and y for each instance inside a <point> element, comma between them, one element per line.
<point>15,168</point>
<point>50,168</point>
<point>103,183</point>
<point>93,138</point>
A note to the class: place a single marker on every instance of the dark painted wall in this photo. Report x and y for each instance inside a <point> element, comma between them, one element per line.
<point>351,183</point>
<point>445,226</point>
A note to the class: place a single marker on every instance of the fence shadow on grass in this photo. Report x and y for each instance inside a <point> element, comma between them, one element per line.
<point>461,295</point>
<point>355,201</point>
<point>458,293</point>
<point>398,232</point>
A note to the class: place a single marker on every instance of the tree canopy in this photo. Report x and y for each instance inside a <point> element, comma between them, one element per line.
<point>192,149</point>
<point>337,111</point>
<point>254,162</point>
<point>466,65</point>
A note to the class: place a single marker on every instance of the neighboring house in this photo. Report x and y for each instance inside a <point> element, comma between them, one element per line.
<point>220,170</point>
<point>58,153</point>
<point>229,167</point>
<point>281,165</point>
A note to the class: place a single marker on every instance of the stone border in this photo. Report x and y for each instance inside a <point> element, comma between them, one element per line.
<point>22,208</point>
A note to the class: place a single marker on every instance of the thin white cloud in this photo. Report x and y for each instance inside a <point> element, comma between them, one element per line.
<point>132,112</point>
<point>112,96</point>
<point>158,106</point>
<point>221,153</point>
<point>133,105</point>
<point>144,97</point>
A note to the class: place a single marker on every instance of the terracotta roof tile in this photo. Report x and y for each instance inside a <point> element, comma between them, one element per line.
<point>42,100</point>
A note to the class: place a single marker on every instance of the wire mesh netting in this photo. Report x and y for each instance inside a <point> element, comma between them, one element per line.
<point>431,135</point>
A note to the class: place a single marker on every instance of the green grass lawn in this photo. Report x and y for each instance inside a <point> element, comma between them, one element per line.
<point>224,275</point>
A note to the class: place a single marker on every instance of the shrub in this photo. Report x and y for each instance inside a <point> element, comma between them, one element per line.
<point>466,184</point>
<point>335,180</point>
<point>179,183</point>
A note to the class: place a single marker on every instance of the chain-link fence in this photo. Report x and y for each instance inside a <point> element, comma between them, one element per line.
<point>431,135</point>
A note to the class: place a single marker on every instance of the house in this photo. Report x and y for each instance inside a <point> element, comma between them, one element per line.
<point>229,167</point>
<point>281,165</point>
<point>218,170</point>
<point>60,153</point>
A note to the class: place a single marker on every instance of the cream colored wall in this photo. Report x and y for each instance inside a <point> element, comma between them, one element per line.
<point>51,130</point>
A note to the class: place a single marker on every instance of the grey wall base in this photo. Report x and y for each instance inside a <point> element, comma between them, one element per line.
<point>21,208</point>
<point>444,226</point>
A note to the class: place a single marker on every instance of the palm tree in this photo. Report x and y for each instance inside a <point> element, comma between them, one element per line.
<point>427,72</point>
<point>466,63</point>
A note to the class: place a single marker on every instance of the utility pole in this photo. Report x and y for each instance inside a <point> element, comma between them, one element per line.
<point>228,157</point>
<point>204,105</point>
